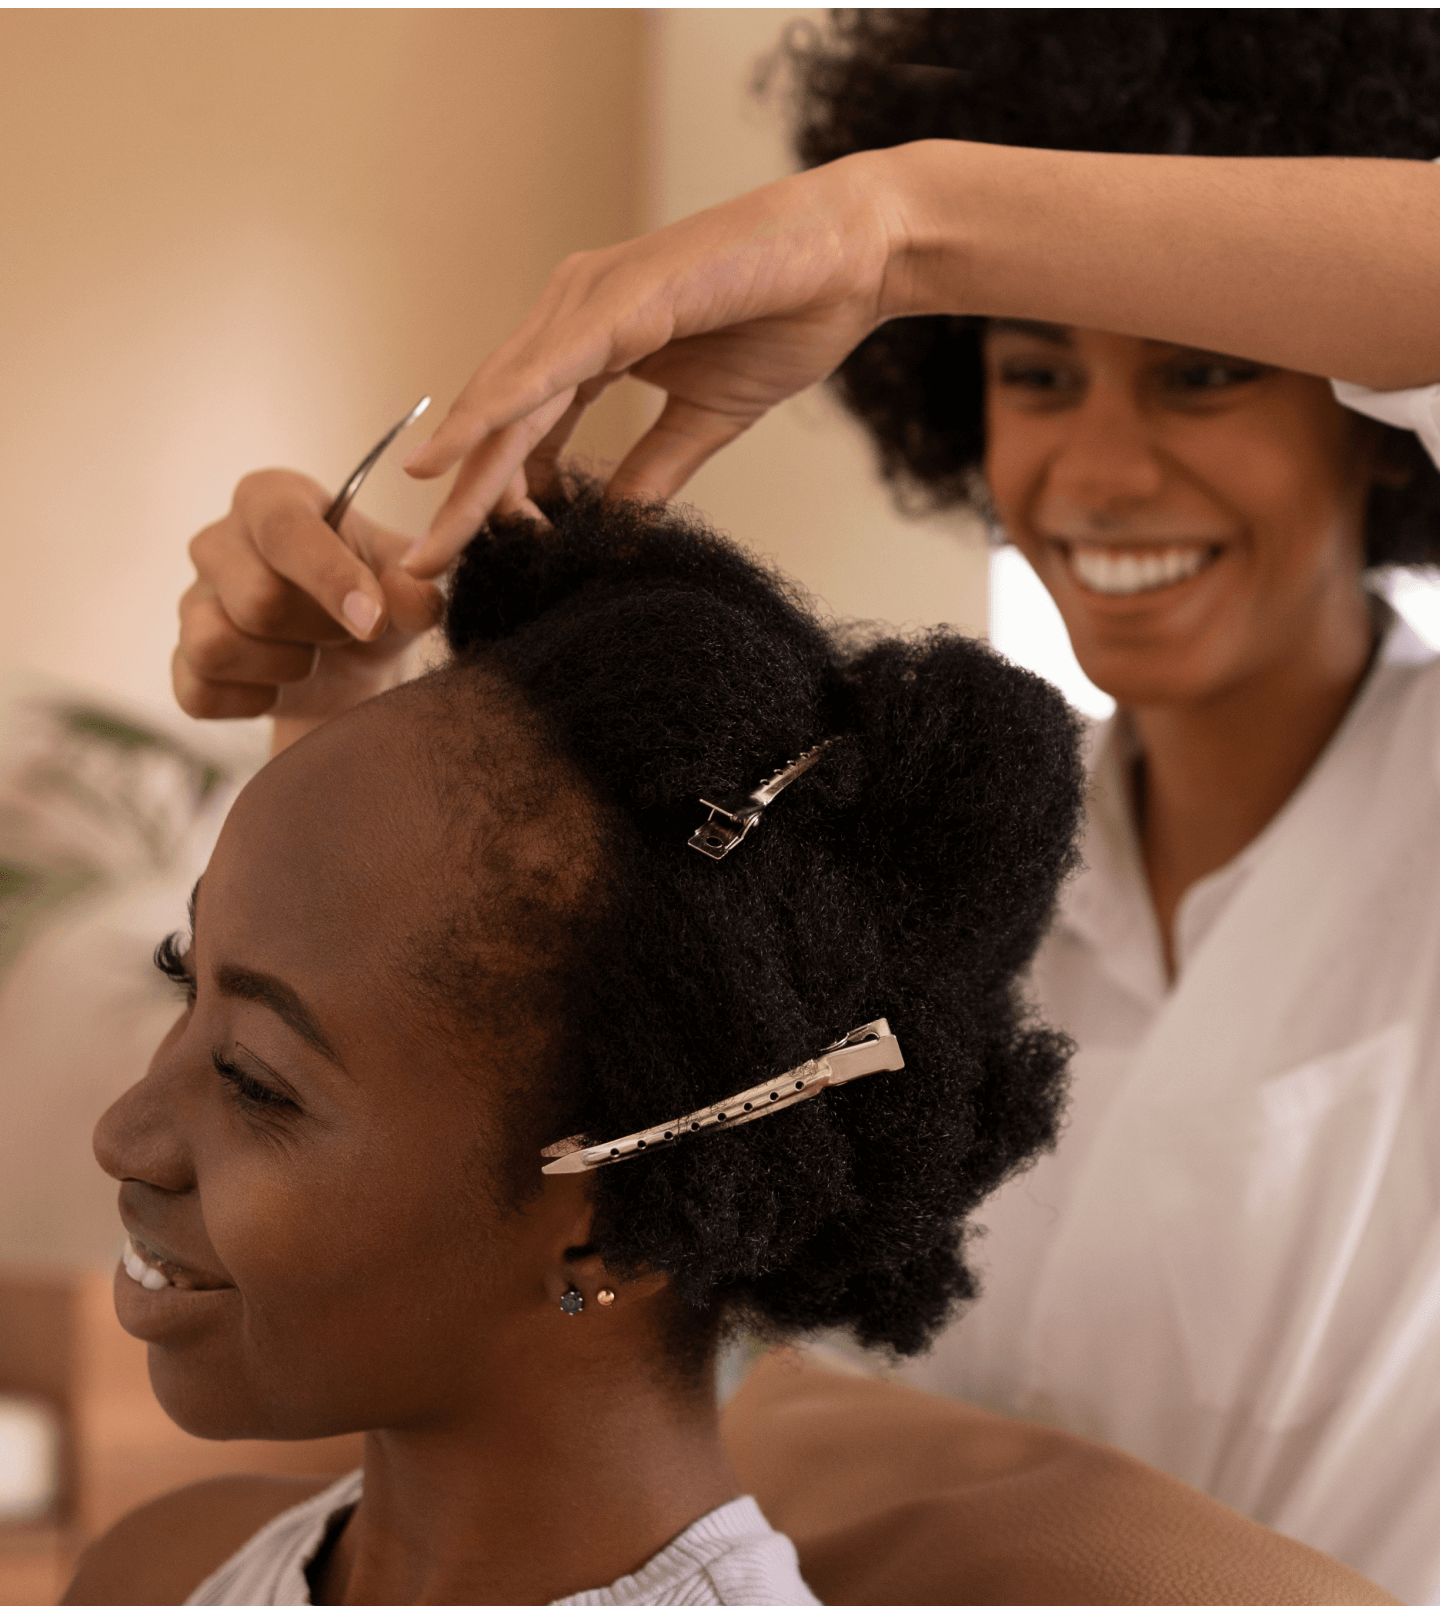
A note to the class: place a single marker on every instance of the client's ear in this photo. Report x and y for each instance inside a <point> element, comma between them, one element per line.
<point>573,1265</point>
<point>585,1273</point>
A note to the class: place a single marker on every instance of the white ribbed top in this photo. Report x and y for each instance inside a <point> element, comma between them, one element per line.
<point>729,1557</point>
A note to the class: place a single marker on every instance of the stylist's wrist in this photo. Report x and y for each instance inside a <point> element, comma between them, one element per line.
<point>938,192</point>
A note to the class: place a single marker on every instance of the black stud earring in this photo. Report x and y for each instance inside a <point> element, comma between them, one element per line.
<point>572,1302</point>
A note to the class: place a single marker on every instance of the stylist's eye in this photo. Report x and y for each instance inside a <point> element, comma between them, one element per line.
<point>1037,383</point>
<point>1040,378</point>
<point>1210,376</point>
<point>170,959</point>
<point>248,1091</point>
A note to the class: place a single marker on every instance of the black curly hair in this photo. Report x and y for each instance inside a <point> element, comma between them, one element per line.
<point>909,873</point>
<point>1182,82</point>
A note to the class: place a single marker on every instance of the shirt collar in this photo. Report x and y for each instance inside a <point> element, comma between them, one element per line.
<point>1107,903</point>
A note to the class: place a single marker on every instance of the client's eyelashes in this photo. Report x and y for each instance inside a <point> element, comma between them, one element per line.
<point>246,1089</point>
<point>170,962</point>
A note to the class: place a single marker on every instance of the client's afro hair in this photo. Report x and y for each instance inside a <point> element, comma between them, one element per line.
<point>1182,82</point>
<point>909,874</point>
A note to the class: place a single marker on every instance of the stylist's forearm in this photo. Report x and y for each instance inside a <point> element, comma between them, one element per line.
<point>1325,266</point>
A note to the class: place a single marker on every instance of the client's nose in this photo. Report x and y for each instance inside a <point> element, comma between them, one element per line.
<point>137,1138</point>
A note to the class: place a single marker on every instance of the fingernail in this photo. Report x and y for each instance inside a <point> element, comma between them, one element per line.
<point>360,612</point>
<point>415,456</point>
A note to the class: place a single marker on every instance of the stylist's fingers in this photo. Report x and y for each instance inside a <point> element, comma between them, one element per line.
<point>542,467</point>
<point>515,500</point>
<point>679,442</point>
<point>470,429</point>
<point>411,605</point>
<point>566,339</point>
<point>284,520</point>
<point>256,599</point>
<point>214,648</point>
<point>482,480</point>
<point>208,699</point>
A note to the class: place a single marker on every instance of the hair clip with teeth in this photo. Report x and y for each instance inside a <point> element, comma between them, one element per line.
<point>742,812</point>
<point>863,1052</point>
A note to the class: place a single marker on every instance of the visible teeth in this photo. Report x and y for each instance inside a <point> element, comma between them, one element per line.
<point>142,1272</point>
<point>1123,574</point>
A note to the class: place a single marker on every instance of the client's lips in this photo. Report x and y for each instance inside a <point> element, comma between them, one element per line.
<point>154,1267</point>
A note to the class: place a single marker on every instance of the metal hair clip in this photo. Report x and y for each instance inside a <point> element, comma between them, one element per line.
<point>715,838</point>
<point>863,1052</point>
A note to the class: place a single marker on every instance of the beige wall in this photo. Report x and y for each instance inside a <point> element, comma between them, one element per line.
<point>801,485</point>
<point>238,238</point>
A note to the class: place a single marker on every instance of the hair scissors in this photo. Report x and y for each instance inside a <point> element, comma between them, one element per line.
<point>341,504</point>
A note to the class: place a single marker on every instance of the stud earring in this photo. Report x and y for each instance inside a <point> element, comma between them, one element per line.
<point>572,1302</point>
<point>606,1296</point>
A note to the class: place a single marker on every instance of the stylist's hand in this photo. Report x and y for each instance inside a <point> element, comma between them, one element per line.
<point>289,618</point>
<point>728,312</point>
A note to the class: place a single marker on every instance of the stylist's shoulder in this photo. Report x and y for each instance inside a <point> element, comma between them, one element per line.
<point>892,1495</point>
<point>161,1553</point>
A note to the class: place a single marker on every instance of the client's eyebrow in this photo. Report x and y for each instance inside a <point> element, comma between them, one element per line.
<point>1055,333</point>
<point>235,981</point>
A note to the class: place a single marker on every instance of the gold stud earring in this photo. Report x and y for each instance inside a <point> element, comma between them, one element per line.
<point>606,1296</point>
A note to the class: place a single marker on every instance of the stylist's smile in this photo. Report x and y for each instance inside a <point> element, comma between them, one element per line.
<point>1127,571</point>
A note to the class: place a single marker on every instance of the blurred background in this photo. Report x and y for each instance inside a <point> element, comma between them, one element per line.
<point>236,239</point>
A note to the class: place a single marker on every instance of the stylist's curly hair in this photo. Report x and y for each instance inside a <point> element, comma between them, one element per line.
<point>909,874</point>
<point>1182,82</point>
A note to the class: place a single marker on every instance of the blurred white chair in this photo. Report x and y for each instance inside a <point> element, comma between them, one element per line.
<point>30,1437</point>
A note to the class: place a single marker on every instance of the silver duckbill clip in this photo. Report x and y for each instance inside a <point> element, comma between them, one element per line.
<point>733,820</point>
<point>863,1052</point>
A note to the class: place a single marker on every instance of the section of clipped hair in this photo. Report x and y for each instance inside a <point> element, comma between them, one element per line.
<point>909,874</point>
<point>1166,82</point>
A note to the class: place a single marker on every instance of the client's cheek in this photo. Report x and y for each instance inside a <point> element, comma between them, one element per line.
<point>275,1242</point>
<point>313,1263</point>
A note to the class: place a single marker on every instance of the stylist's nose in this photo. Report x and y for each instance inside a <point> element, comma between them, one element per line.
<point>137,1138</point>
<point>1108,462</point>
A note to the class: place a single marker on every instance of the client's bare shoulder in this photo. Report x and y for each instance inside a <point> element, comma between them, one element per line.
<point>161,1552</point>
<point>892,1496</point>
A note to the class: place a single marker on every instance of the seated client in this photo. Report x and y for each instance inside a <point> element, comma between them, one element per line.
<point>484,925</point>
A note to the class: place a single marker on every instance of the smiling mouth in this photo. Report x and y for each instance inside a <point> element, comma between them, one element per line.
<point>1125,572</point>
<point>144,1266</point>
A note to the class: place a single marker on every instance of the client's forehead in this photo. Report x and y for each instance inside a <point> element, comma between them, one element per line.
<point>392,843</point>
<point>350,810</point>
<point>337,854</point>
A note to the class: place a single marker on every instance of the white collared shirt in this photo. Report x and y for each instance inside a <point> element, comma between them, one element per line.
<point>1230,1267</point>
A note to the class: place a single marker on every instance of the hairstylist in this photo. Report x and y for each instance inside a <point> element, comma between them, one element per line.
<point>1231,1267</point>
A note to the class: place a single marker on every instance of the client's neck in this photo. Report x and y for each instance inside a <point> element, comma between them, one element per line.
<point>546,1486</point>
